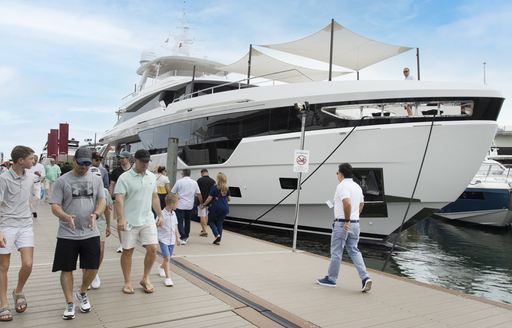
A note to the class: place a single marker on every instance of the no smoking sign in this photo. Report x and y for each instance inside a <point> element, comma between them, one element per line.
<point>301,161</point>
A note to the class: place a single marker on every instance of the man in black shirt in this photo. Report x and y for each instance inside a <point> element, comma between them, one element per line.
<point>205,184</point>
<point>124,159</point>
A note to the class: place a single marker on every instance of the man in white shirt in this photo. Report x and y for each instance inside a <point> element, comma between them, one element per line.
<point>348,204</point>
<point>186,189</point>
<point>407,74</point>
<point>39,171</point>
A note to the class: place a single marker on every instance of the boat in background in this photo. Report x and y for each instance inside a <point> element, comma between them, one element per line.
<point>487,199</point>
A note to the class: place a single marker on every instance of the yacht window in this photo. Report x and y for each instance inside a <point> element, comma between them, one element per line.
<point>401,108</point>
<point>371,181</point>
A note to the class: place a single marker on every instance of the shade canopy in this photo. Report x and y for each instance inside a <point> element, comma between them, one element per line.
<point>263,65</point>
<point>350,49</point>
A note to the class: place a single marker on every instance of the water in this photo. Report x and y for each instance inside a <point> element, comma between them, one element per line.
<point>475,260</point>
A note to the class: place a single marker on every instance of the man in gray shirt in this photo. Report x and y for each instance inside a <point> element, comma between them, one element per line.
<point>78,200</point>
<point>16,231</point>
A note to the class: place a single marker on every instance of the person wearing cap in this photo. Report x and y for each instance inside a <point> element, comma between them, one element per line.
<point>53,172</point>
<point>16,227</point>
<point>410,77</point>
<point>135,193</point>
<point>125,165</point>
<point>96,162</point>
<point>78,200</point>
<point>39,174</point>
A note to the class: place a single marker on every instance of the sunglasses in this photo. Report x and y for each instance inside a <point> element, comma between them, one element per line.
<point>84,163</point>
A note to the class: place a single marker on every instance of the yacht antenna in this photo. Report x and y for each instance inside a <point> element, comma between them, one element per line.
<point>485,82</point>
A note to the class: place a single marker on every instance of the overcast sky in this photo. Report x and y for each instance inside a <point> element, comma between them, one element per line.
<point>73,61</point>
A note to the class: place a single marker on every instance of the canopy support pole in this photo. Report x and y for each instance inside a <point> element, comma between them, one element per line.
<point>331,49</point>
<point>418,62</point>
<point>249,65</point>
<point>358,75</point>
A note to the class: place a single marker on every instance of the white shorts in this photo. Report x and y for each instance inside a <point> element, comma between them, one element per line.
<point>146,234</point>
<point>202,211</point>
<point>17,238</point>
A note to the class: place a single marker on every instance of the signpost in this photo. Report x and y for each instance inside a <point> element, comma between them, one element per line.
<point>300,165</point>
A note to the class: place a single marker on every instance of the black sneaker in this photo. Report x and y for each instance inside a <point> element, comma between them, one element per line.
<point>367,285</point>
<point>34,215</point>
<point>217,241</point>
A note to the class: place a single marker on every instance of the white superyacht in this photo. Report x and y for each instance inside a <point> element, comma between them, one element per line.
<point>250,132</point>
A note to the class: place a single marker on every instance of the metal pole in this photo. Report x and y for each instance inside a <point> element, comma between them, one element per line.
<point>95,140</point>
<point>331,49</point>
<point>172,160</point>
<point>249,65</point>
<point>193,73</point>
<point>299,181</point>
<point>358,75</point>
<point>418,62</point>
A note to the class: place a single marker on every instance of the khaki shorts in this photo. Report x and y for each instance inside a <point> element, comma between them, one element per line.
<point>146,234</point>
<point>102,228</point>
<point>202,211</point>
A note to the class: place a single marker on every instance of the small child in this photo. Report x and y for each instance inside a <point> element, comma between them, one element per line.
<point>168,236</point>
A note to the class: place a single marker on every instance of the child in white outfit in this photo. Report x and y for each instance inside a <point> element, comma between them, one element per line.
<point>168,236</point>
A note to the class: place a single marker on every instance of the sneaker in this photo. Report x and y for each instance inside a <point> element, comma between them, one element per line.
<point>168,282</point>
<point>203,234</point>
<point>96,283</point>
<point>161,272</point>
<point>325,281</point>
<point>184,241</point>
<point>367,285</point>
<point>34,215</point>
<point>69,312</point>
<point>217,241</point>
<point>119,249</point>
<point>85,306</point>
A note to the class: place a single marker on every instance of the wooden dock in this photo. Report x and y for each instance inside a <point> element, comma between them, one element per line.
<point>244,282</point>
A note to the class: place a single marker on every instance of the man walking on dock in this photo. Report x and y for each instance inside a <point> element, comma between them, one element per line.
<point>348,204</point>
<point>78,200</point>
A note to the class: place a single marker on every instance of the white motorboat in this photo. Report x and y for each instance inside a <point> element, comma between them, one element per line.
<point>250,133</point>
<point>487,199</point>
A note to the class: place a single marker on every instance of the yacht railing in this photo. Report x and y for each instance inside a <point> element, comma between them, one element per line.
<point>494,173</point>
<point>211,90</point>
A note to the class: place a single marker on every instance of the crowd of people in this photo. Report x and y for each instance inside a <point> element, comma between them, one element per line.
<point>84,200</point>
<point>148,211</point>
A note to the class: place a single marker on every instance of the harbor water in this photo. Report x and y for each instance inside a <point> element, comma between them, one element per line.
<point>474,260</point>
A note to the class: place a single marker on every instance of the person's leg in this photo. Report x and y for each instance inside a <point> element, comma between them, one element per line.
<point>338,238</point>
<point>66,282</point>
<point>187,218</point>
<point>212,222</point>
<point>354,253</point>
<point>220,224</point>
<point>5,260</point>
<point>165,264</point>
<point>27,259</point>
<point>102,251</point>
<point>149,260</point>
<point>126,266</point>
<point>203,220</point>
<point>181,220</point>
<point>162,200</point>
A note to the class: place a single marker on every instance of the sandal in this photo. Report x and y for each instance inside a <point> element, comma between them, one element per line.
<point>20,301</point>
<point>147,290</point>
<point>5,314</point>
<point>128,290</point>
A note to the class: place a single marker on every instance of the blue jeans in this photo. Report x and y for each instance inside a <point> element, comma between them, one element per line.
<point>183,217</point>
<point>339,239</point>
<point>216,222</point>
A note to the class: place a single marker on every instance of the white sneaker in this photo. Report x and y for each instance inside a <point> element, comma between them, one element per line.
<point>161,272</point>
<point>168,282</point>
<point>96,283</point>
<point>69,312</point>
<point>184,241</point>
<point>85,306</point>
<point>119,249</point>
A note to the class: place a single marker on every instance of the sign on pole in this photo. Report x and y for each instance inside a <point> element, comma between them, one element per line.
<point>301,161</point>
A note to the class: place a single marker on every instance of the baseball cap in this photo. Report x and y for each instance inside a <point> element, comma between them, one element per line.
<point>83,154</point>
<point>142,155</point>
<point>125,154</point>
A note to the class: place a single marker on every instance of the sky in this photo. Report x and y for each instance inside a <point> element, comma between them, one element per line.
<point>72,61</point>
